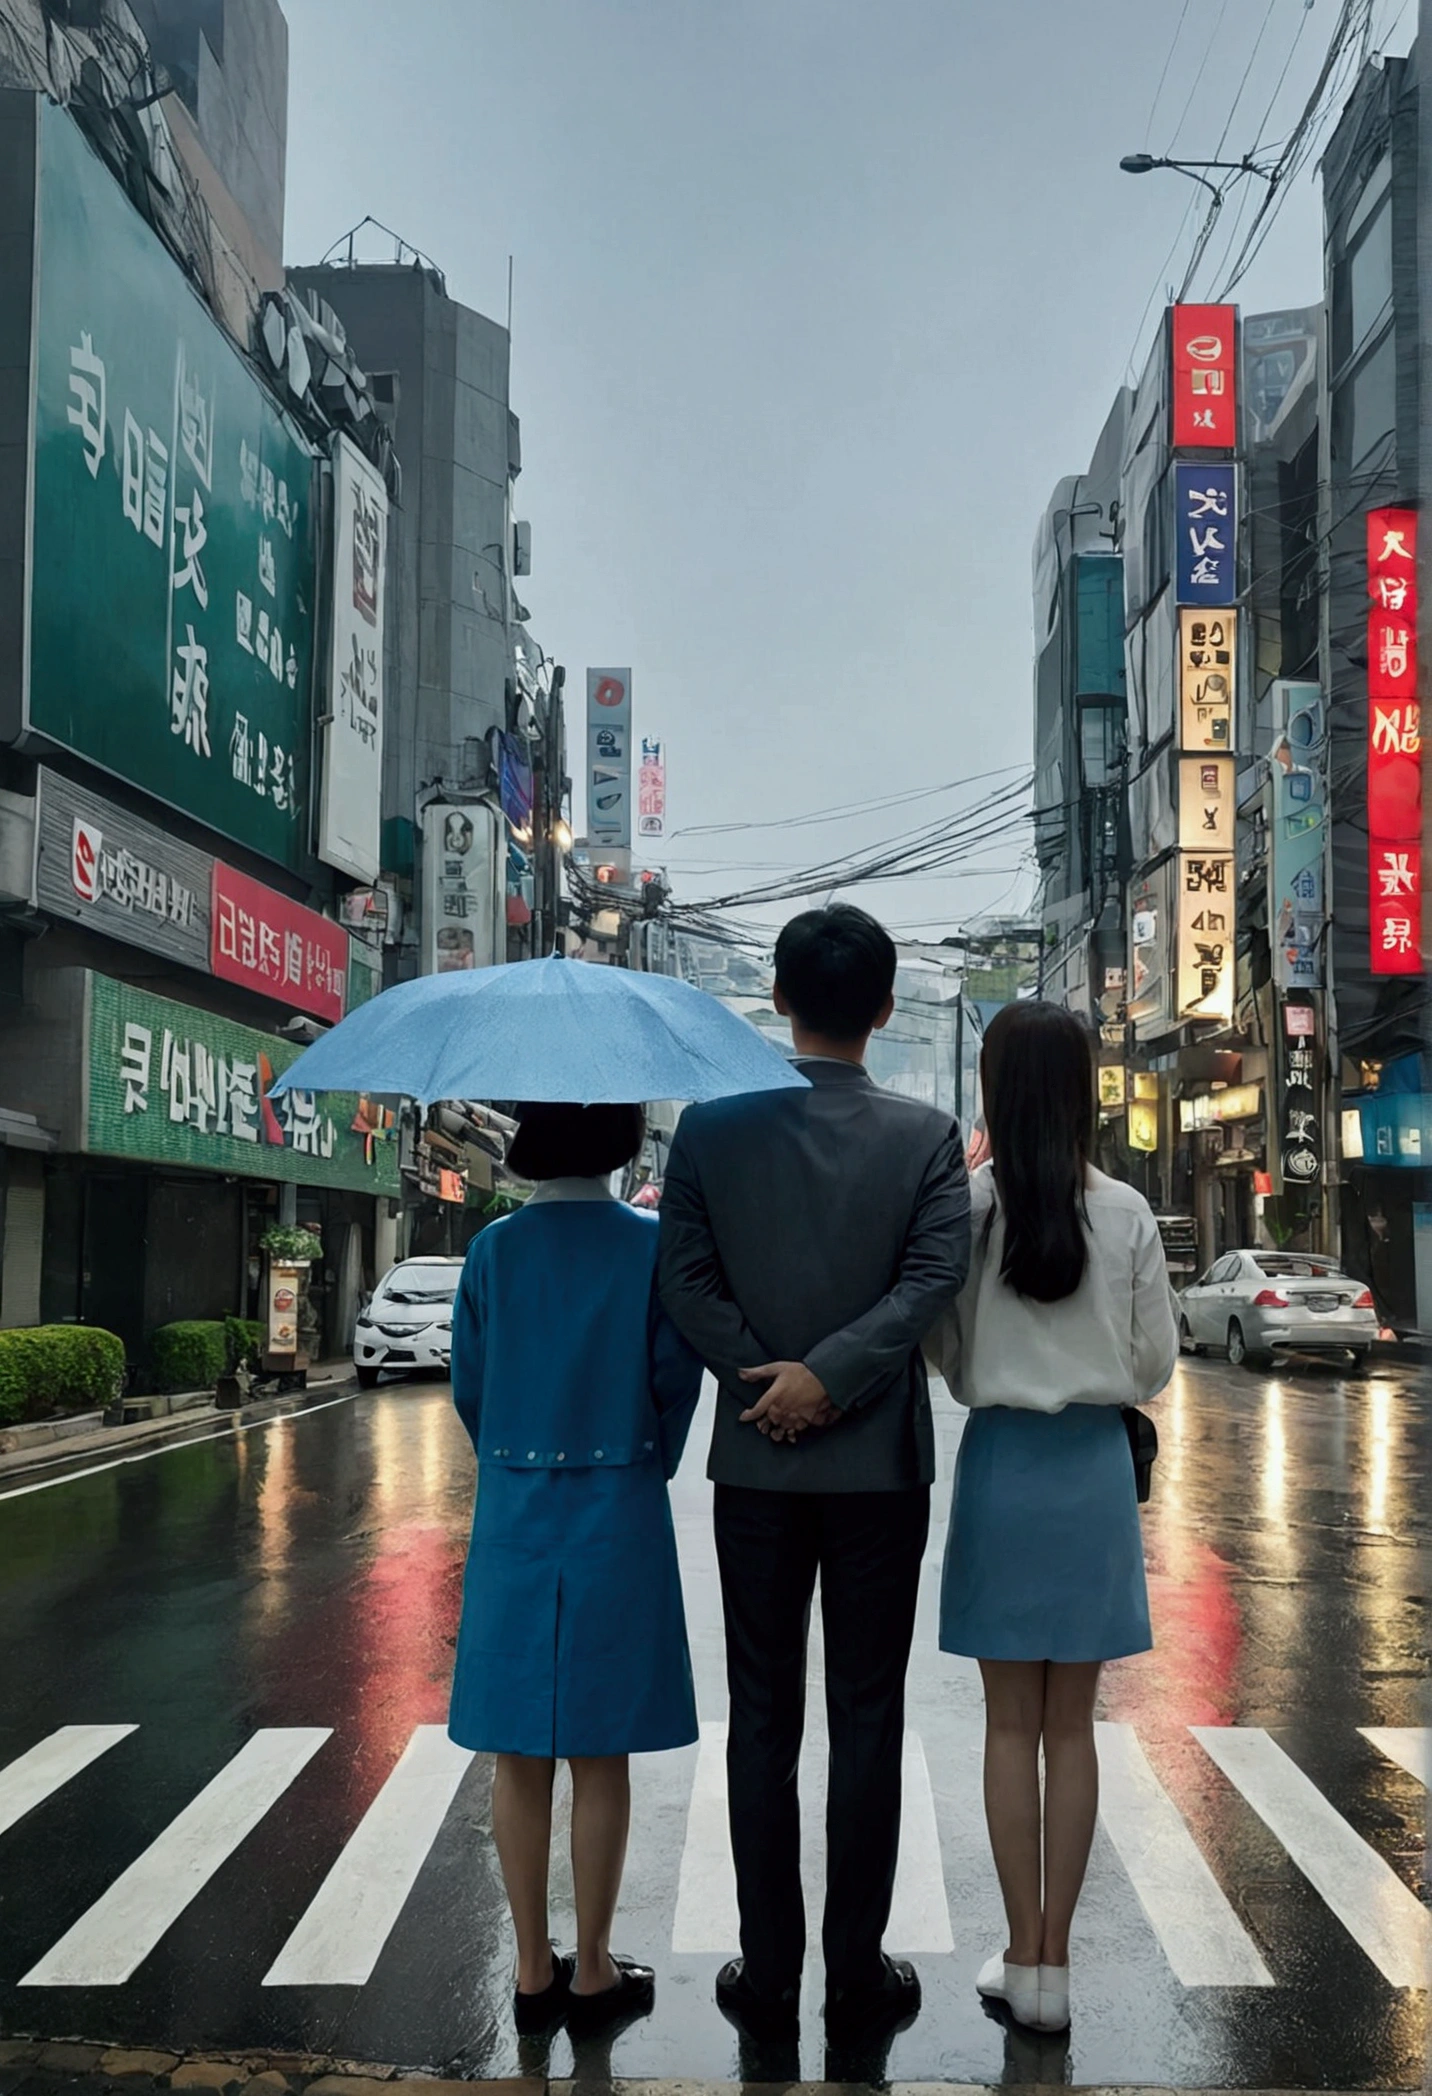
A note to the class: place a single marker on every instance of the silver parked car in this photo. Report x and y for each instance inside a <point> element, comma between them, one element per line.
<point>407,1323</point>
<point>1255,1303</point>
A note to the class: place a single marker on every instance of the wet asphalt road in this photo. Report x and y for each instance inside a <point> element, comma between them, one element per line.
<point>305,1573</point>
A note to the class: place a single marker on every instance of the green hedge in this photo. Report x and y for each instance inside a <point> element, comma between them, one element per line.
<point>190,1355</point>
<point>245,1336</point>
<point>58,1368</point>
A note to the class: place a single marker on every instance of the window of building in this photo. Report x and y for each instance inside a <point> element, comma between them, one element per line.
<point>1370,277</point>
<point>1102,741</point>
<point>1099,671</point>
<point>1365,408</point>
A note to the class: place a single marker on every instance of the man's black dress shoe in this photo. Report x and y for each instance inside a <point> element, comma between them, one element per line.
<point>755,2014</point>
<point>885,2003</point>
<point>535,2013</point>
<point>633,1995</point>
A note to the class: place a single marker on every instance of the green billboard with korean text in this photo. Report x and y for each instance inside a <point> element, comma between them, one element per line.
<point>168,1084</point>
<point>173,556</point>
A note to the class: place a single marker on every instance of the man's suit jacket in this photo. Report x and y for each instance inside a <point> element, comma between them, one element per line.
<point>829,1226</point>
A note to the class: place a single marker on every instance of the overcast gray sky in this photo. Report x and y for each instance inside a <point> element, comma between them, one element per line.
<point>815,301</point>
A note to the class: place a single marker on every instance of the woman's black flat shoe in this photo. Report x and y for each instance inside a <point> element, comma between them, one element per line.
<point>633,1995</point>
<point>535,2013</point>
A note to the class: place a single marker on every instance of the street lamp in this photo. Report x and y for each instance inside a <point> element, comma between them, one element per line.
<point>1145,163</point>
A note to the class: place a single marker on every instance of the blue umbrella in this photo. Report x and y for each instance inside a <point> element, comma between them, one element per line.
<point>543,1030</point>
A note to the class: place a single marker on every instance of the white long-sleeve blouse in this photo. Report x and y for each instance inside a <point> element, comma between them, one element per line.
<point>1113,1342</point>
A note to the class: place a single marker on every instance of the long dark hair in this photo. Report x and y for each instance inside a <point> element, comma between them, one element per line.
<point>1037,1069</point>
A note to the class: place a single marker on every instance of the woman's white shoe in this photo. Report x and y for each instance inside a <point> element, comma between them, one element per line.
<point>1053,2012</point>
<point>1017,1986</point>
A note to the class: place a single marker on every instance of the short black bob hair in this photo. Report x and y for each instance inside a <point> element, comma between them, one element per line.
<point>575,1142</point>
<point>836,969</point>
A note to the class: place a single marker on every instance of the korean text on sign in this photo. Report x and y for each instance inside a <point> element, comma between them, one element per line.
<point>1394,746</point>
<point>1205,377</point>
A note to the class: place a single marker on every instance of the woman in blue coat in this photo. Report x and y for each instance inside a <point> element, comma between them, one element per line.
<point>578,1395</point>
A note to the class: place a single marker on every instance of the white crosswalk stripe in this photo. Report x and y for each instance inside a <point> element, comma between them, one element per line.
<point>1365,1893</point>
<point>1410,1746</point>
<point>116,1935</point>
<point>1204,1941</point>
<point>706,1915</point>
<point>346,1928</point>
<point>706,1918</point>
<point>51,1764</point>
<point>341,1937</point>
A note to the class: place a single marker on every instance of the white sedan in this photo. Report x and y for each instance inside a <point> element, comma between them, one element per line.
<point>407,1323</point>
<point>1253,1304</point>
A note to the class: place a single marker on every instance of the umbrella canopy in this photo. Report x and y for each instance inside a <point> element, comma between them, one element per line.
<point>543,1030</point>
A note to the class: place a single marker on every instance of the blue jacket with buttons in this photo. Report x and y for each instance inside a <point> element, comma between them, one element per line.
<point>562,1356</point>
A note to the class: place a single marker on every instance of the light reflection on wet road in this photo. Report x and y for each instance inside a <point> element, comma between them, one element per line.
<point>307,1573</point>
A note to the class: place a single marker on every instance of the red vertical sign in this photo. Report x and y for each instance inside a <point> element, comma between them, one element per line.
<point>1394,745</point>
<point>1205,378</point>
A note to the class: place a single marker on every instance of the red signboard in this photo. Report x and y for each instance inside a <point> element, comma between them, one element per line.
<point>1205,378</point>
<point>1394,745</point>
<point>277,947</point>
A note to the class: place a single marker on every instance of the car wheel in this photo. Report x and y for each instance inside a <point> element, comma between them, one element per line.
<point>1240,1354</point>
<point>1186,1342</point>
<point>367,1378</point>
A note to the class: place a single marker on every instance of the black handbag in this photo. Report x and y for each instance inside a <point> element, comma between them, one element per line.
<point>1143,1447</point>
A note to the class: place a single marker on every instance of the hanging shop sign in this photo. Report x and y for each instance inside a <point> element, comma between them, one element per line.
<point>1208,672</point>
<point>1205,936</point>
<point>1207,798</point>
<point>1236,1102</point>
<point>1111,1086</point>
<point>350,803</point>
<point>1142,1125</point>
<point>172,562</point>
<point>441,1168</point>
<point>651,789</point>
<point>515,787</point>
<point>464,915</point>
<point>114,873</point>
<point>1297,837</point>
<point>609,758</point>
<point>1205,377</point>
<point>1394,745</point>
<point>268,943</point>
<point>1150,1001</point>
<point>168,1084</point>
<point>1300,1139</point>
<point>1206,534</point>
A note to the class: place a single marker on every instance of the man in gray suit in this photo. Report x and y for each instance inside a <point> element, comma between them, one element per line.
<point>809,1240</point>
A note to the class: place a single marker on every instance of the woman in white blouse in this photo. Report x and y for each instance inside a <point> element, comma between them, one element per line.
<point>1065,1318</point>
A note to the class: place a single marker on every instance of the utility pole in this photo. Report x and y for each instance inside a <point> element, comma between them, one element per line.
<point>960,1047</point>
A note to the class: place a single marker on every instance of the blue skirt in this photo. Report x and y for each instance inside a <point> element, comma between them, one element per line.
<point>573,1634</point>
<point>1044,1558</point>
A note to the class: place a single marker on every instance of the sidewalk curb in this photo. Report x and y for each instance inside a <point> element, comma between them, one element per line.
<point>104,1440</point>
<point>38,2068</point>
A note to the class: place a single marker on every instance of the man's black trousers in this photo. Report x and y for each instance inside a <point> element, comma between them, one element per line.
<point>867,1548</point>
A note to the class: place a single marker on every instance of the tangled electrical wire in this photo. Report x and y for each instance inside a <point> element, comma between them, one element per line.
<point>935,847</point>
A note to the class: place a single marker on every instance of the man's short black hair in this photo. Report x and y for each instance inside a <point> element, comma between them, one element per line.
<point>836,968</point>
<point>575,1142</point>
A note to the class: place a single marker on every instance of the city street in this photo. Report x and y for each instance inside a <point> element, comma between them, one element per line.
<point>253,1632</point>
